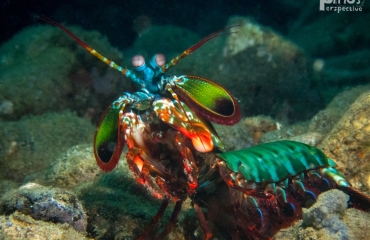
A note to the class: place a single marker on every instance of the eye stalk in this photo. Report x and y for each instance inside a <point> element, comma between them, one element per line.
<point>151,72</point>
<point>158,60</point>
<point>137,62</point>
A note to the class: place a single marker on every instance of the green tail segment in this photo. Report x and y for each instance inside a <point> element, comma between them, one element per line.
<point>276,161</point>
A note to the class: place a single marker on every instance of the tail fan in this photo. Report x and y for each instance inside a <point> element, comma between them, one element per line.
<point>358,199</point>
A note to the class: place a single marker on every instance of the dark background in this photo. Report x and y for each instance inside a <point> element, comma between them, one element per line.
<point>115,18</point>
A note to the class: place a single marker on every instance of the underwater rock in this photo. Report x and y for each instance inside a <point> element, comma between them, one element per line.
<point>348,145</point>
<point>259,125</point>
<point>325,119</point>
<point>268,74</point>
<point>311,138</point>
<point>45,203</point>
<point>286,131</point>
<point>30,144</point>
<point>20,226</point>
<point>234,137</point>
<point>326,213</point>
<point>358,221</point>
<point>329,218</point>
<point>43,69</point>
<point>74,167</point>
<point>321,124</point>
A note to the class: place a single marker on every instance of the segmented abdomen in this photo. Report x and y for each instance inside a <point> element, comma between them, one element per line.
<point>275,161</point>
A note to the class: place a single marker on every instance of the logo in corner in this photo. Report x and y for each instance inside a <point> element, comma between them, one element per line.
<point>341,5</point>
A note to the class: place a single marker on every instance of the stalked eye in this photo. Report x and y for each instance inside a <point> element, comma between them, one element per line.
<point>138,61</point>
<point>160,59</point>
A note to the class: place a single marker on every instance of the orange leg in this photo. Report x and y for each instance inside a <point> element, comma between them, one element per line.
<point>155,220</point>
<point>203,223</point>
<point>172,222</point>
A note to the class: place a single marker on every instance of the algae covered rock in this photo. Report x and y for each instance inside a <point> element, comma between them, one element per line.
<point>21,226</point>
<point>259,125</point>
<point>313,132</point>
<point>42,69</point>
<point>348,143</point>
<point>74,167</point>
<point>325,120</point>
<point>30,144</point>
<point>358,222</point>
<point>234,137</point>
<point>45,203</point>
<point>329,218</point>
<point>326,213</point>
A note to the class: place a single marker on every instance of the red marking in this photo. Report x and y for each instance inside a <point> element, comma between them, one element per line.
<point>157,195</point>
<point>139,163</point>
<point>140,180</point>
<point>270,196</point>
<point>253,227</point>
<point>187,167</point>
<point>193,185</point>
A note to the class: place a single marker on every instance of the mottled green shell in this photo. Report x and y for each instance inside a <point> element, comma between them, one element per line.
<point>275,161</point>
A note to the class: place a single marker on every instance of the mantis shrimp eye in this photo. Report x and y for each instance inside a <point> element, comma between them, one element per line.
<point>137,61</point>
<point>160,59</point>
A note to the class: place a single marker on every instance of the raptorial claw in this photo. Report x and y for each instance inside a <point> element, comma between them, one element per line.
<point>207,98</point>
<point>108,141</point>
